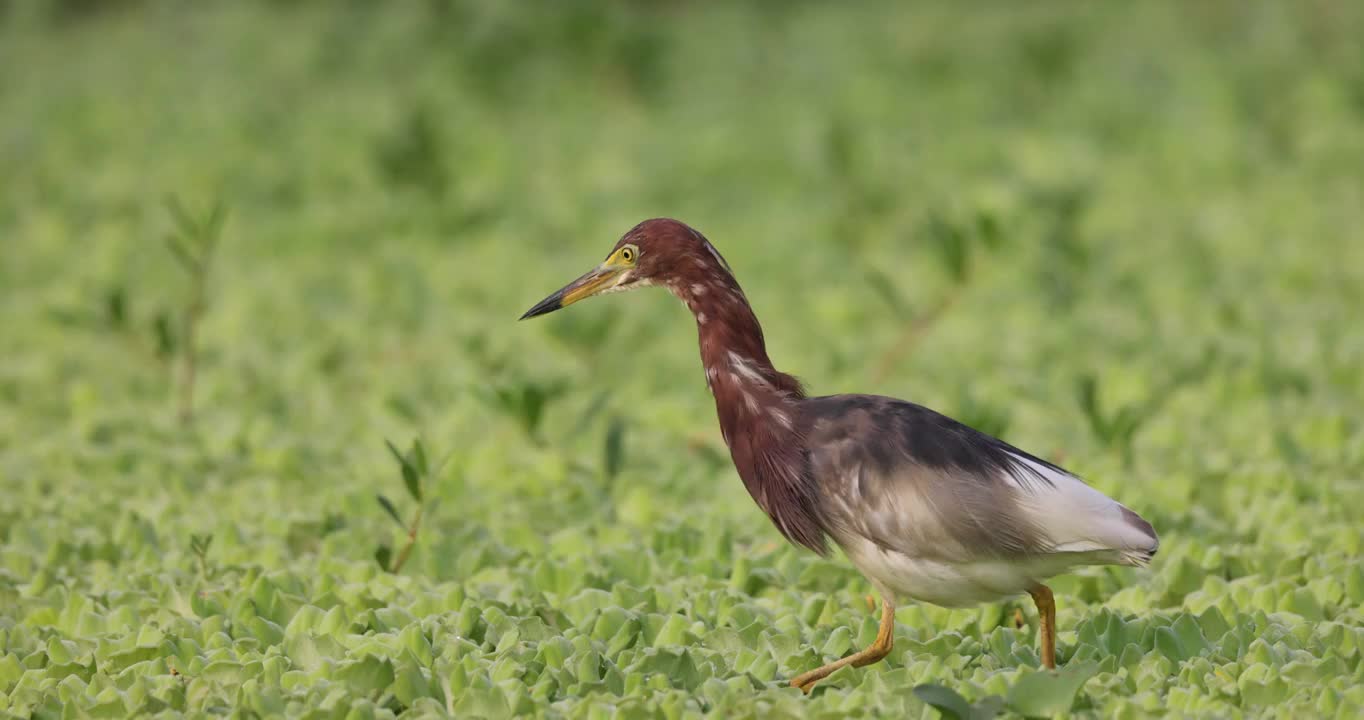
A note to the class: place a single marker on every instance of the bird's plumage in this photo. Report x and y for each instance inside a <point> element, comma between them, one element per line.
<point>925,506</point>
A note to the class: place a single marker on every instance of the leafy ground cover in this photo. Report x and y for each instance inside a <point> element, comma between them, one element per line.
<point>1123,235</point>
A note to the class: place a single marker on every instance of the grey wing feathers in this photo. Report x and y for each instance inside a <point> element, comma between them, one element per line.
<point>910,479</point>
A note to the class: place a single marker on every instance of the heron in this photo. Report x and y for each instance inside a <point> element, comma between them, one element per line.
<point>925,507</point>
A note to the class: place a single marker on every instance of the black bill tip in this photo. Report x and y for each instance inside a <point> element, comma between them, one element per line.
<point>548,305</point>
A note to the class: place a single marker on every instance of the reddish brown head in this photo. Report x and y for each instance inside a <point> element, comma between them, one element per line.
<point>655,252</point>
<point>758,406</point>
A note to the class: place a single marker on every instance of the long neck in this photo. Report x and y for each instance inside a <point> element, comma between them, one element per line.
<point>757,407</point>
<point>734,353</point>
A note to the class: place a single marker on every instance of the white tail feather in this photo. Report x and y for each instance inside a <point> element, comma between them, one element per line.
<point>1076,518</point>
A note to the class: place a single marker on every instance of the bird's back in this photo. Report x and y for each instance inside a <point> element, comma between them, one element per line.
<point>901,480</point>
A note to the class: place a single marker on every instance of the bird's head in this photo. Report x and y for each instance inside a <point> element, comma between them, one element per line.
<point>655,252</point>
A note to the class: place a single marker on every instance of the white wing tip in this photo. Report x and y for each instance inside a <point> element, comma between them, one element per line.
<point>1082,519</point>
<point>1140,556</point>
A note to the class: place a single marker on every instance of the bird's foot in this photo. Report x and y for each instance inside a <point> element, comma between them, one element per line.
<point>875,653</point>
<point>806,686</point>
<point>878,650</point>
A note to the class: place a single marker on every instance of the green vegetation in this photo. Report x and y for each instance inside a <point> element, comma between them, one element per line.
<point>1124,235</point>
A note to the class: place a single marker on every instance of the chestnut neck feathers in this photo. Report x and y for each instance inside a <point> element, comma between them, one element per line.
<point>757,405</point>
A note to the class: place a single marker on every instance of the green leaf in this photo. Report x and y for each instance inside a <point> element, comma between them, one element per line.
<point>840,148</point>
<point>945,700</point>
<point>988,708</point>
<point>414,485</point>
<point>988,230</point>
<point>411,478</point>
<point>120,661</point>
<point>953,245</point>
<point>1191,640</point>
<point>384,556</point>
<point>116,307</point>
<point>60,652</point>
<point>387,505</point>
<point>410,684</point>
<point>593,409</point>
<point>1167,644</point>
<point>181,217</point>
<point>164,329</point>
<point>614,450</point>
<point>10,669</point>
<point>182,255</point>
<point>212,229</point>
<point>886,289</point>
<point>1087,393</point>
<point>1046,693</point>
<point>199,544</point>
<point>418,456</point>
<point>370,675</point>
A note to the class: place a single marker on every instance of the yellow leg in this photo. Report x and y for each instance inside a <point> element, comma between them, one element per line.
<point>1046,611</point>
<point>885,640</point>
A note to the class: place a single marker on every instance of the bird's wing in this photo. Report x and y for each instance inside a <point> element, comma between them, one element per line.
<point>912,480</point>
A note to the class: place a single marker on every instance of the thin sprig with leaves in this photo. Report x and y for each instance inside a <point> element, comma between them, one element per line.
<point>416,473</point>
<point>193,243</point>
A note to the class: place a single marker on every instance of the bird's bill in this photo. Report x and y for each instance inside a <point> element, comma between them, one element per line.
<point>595,281</point>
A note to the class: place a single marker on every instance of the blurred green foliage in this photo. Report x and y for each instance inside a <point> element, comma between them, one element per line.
<point>1127,236</point>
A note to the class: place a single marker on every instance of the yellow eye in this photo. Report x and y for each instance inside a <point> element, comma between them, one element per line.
<point>627,254</point>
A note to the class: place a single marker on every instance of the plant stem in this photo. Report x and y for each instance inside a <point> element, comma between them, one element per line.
<point>411,541</point>
<point>194,312</point>
<point>916,327</point>
<point>190,353</point>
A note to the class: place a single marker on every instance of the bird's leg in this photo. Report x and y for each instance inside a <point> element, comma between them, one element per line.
<point>1046,612</point>
<point>885,639</point>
